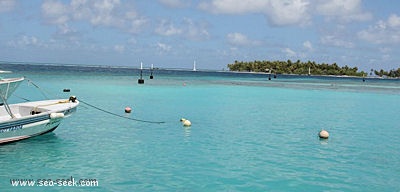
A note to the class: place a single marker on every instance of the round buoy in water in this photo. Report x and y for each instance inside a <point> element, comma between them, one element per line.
<point>323,134</point>
<point>128,110</point>
<point>186,122</point>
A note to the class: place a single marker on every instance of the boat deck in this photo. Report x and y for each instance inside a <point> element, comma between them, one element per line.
<point>27,109</point>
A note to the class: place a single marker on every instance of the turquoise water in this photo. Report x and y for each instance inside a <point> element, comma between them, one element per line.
<point>247,133</point>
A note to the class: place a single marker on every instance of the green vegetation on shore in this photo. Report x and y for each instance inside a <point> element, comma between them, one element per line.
<point>305,68</point>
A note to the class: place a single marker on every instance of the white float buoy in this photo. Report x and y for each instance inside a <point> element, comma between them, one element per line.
<point>56,115</point>
<point>186,122</point>
<point>323,134</point>
<point>128,110</point>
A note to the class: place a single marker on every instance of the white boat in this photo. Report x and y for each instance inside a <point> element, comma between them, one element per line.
<point>24,120</point>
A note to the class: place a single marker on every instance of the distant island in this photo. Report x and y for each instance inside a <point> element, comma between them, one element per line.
<point>306,68</point>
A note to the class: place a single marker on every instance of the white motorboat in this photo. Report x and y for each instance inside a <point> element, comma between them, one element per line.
<point>24,120</point>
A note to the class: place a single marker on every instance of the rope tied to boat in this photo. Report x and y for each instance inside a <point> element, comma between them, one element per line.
<point>73,98</point>
<point>36,111</point>
<point>111,113</point>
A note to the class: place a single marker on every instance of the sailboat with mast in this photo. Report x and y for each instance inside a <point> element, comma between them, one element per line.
<point>194,65</point>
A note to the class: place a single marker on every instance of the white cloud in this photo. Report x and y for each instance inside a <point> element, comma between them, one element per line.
<point>195,30</point>
<point>55,12</point>
<point>289,52</point>
<point>174,3</point>
<point>7,5</point>
<point>394,21</point>
<point>189,29</point>
<point>238,39</point>
<point>335,41</point>
<point>119,48</point>
<point>293,12</point>
<point>308,45</point>
<point>108,13</point>
<point>103,12</point>
<point>166,28</point>
<point>278,12</point>
<point>163,47</point>
<point>134,22</point>
<point>132,41</point>
<point>64,31</point>
<point>234,6</point>
<point>383,32</point>
<point>385,50</point>
<point>24,41</point>
<point>344,10</point>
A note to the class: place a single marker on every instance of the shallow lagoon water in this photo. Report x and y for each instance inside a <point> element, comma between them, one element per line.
<point>247,133</point>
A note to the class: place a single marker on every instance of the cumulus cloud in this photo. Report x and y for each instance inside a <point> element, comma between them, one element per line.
<point>394,21</point>
<point>238,39</point>
<point>291,12</point>
<point>278,12</point>
<point>7,5</point>
<point>65,31</point>
<point>119,48</point>
<point>135,24</point>
<point>24,41</point>
<point>109,13</point>
<point>174,3</point>
<point>189,29</point>
<point>289,52</point>
<point>333,40</point>
<point>195,30</point>
<point>344,10</point>
<point>55,12</point>
<point>167,28</point>
<point>163,47</point>
<point>102,12</point>
<point>234,6</point>
<point>308,45</point>
<point>383,32</point>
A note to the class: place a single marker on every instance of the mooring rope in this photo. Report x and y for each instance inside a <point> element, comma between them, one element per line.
<point>43,92</point>
<point>90,105</point>
<point>111,113</point>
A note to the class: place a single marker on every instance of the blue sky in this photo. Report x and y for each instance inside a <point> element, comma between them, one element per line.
<point>174,33</point>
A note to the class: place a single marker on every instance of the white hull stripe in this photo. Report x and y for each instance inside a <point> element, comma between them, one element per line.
<point>35,124</point>
<point>23,136</point>
<point>23,121</point>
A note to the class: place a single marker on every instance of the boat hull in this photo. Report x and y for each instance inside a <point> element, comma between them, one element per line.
<point>50,117</point>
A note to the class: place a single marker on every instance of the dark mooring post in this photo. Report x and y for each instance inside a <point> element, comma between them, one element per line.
<point>141,80</point>
<point>151,72</point>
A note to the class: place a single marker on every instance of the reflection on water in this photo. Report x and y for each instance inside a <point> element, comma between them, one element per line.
<point>187,131</point>
<point>323,141</point>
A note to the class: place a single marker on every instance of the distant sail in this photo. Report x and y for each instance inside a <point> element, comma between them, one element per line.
<point>194,65</point>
